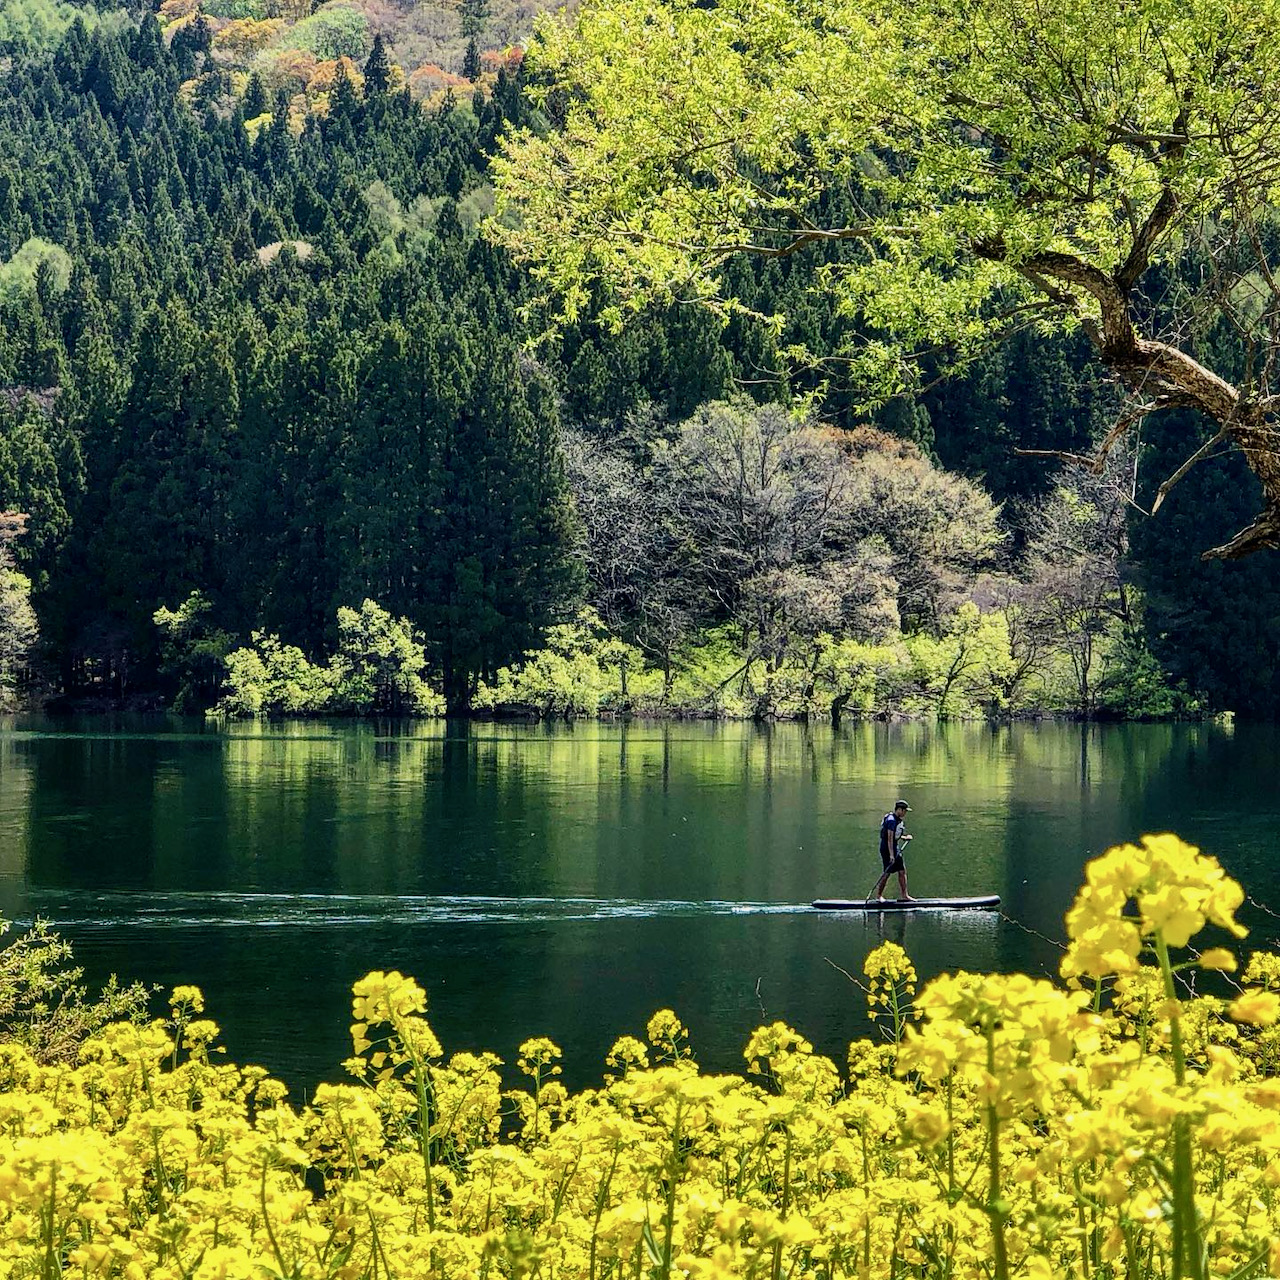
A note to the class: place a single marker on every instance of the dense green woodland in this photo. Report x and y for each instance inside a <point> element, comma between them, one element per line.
<point>290,375</point>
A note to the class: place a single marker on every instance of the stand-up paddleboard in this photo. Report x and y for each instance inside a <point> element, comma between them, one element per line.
<point>987,903</point>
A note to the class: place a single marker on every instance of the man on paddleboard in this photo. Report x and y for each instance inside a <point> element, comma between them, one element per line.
<point>892,840</point>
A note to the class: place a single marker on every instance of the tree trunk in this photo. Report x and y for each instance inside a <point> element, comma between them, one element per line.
<point>1165,376</point>
<point>458,691</point>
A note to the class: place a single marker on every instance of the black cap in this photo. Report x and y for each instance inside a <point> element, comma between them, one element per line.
<point>902,804</point>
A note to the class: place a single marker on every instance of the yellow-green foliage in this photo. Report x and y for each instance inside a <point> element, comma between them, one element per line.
<point>44,1004</point>
<point>715,678</point>
<point>377,669</point>
<point>1005,1126</point>
<point>584,670</point>
<point>960,669</point>
<point>40,24</point>
<point>334,31</point>
<point>581,670</point>
<point>18,625</point>
<point>18,275</point>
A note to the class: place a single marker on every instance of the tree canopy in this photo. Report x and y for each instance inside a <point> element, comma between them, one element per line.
<point>976,168</point>
<point>258,367</point>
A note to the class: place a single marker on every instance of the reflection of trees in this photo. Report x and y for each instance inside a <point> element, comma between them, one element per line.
<point>1138,760</point>
<point>731,811</point>
<point>15,821</point>
<point>92,805</point>
<point>726,811</point>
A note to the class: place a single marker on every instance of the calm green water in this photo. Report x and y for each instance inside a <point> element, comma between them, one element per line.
<point>569,881</point>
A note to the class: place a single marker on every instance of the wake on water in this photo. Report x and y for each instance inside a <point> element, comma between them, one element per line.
<point>84,909</point>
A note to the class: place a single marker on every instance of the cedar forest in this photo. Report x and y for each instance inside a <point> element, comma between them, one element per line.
<point>283,430</point>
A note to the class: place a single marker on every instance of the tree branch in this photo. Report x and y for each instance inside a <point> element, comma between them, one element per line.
<point>1264,532</point>
<point>1202,452</point>
<point>1140,254</point>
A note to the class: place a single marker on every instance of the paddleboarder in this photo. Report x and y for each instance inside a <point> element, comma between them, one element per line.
<point>892,840</point>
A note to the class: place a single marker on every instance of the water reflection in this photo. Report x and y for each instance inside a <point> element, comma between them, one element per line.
<point>571,879</point>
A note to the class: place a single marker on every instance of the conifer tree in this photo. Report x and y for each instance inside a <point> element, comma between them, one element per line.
<point>377,69</point>
<point>344,104</point>
<point>255,98</point>
<point>474,15</point>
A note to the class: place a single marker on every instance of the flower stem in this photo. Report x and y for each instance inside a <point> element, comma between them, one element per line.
<point>996,1211</point>
<point>1188,1256</point>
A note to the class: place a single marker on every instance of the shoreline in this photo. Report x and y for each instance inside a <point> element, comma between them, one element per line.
<point>152,704</point>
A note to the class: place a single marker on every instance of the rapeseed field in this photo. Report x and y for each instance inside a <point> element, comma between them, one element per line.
<point>1115,1124</point>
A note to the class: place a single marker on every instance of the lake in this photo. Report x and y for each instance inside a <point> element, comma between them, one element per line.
<point>569,880</point>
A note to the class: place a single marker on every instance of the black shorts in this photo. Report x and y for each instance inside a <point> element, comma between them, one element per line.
<point>893,863</point>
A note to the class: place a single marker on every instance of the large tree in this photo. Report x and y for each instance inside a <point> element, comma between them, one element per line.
<point>1007,163</point>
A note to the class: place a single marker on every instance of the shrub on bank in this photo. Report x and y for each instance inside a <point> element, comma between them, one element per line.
<point>378,669</point>
<point>581,671</point>
<point>44,1004</point>
<point>978,665</point>
<point>1006,1126</point>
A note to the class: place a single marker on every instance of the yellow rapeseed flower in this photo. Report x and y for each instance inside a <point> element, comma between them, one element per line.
<point>135,1164</point>
<point>1258,1008</point>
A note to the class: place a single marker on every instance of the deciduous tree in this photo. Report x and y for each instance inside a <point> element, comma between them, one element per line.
<point>1053,163</point>
<point>18,628</point>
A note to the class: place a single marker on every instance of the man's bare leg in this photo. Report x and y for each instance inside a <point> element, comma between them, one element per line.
<point>879,889</point>
<point>902,884</point>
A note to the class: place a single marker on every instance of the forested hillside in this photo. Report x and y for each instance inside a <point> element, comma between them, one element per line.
<point>274,411</point>
<point>300,47</point>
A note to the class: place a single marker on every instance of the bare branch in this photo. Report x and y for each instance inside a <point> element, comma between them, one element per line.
<point>1198,456</point>
<point>1061,455</point>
